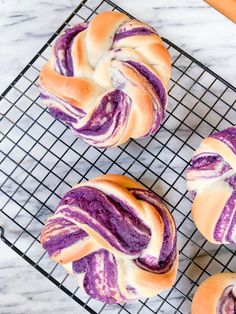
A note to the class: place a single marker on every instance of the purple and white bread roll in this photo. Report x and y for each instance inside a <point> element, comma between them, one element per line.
<point>116,237</point>
<point>212,179</point>
<point>107,80</point>
<point>216,295</point>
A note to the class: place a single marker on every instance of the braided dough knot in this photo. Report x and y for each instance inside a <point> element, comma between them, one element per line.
<point>212,179</point>
<point>108,79</point>
<point>118,238</point>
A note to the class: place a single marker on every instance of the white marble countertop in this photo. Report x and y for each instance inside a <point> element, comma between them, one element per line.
<point>25,26</point>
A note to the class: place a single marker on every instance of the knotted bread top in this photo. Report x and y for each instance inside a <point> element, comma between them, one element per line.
<point>116,236</point>
<point>107,79</point>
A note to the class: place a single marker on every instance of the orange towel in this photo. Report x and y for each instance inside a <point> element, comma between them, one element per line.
<point>226,7</point>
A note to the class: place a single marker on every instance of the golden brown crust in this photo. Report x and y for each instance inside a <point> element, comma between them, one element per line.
<point>75,251</point>
<point>207,296</point>
<point>149,283</point>
<point>124,181</point>
<point>138,41</point>
<point>78,92</point>
<point>100,33</point>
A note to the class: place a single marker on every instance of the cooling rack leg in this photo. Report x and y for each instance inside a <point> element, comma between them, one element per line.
<point>2,232</point>
<point>2,237</point>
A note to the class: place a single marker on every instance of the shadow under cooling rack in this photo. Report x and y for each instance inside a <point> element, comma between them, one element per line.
<point>41,159</point>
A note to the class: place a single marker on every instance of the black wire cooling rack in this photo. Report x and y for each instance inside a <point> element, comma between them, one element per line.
<point>41,159</point>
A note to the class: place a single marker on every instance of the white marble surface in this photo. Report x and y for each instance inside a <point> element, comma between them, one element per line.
<point>26,25</point>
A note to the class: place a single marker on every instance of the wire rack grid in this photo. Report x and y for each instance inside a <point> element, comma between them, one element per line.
<point>41,159</point>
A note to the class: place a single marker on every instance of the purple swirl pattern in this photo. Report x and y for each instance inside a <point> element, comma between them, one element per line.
<point>227,302</point>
